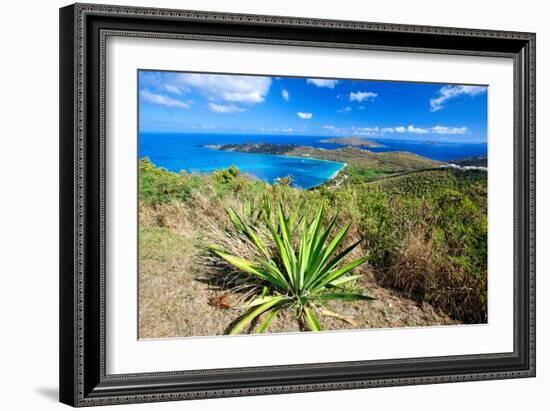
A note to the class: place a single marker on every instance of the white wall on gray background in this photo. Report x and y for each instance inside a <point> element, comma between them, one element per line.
<point>29,204</point>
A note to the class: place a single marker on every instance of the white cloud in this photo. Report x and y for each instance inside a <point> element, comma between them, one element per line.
<point>161,99</point>
<point>305,116</point>
<point>417,130</point>
<point>446,93</point>
<point>219,108</point>
<point>449,130</point>
<point>236,89</point>
<point>172,89</point>
<point>363,131</point>
<point>360,96</point>
<point>322,82</point>
<point>380,131</point>
<point>276,130</point>
<point>285,94</point>
<point>367,131</point>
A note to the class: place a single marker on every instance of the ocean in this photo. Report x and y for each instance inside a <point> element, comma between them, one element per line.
<point>177,152</point>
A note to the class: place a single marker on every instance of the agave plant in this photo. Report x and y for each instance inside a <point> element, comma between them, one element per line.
<point>301,271</point>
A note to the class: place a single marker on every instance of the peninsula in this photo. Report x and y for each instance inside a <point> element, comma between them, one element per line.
<point>362,165</point>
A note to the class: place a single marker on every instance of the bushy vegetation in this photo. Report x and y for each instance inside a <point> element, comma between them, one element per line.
<point>298,265</point>
<point>157,185</point>
<point>425,232</point>
<point>361,174</point>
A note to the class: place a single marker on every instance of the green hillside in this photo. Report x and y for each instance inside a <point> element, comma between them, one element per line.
<point>425,233</point>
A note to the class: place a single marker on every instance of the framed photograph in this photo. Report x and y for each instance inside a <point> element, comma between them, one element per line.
<point>260,204</point>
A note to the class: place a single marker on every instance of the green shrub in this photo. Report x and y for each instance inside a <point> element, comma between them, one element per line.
<point>300,273</point>
<point>427,236</point>
<point>226,176</point>
<point>158,185</point>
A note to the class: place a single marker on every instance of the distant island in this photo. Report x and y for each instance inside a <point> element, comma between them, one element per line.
<point>352,141</point>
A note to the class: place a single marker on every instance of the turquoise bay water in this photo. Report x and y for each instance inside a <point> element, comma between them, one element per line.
<point>177,152</point>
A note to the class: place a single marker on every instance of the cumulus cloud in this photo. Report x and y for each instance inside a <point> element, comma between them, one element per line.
<point>447,93</point>
<point>236,89</point>
<point>305,116</point>
<point>285,94</point>
<point>360,96</point>
<point>449,130</point>
<point>432,130</point>
<point>276,130</point>
<point>161,99</point>
<point>417,130</point>
<point>411,129</point>
<point>222,109</point>
<point>366,131</point>
<point>322,82</point>
<point>172,89</point>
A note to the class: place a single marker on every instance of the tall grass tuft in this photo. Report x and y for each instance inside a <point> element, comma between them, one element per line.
<point>299,270</point>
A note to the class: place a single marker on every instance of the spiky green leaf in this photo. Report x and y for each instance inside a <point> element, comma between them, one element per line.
<point>344,297</point>
<point>312,320</point>
<point>335,274</point>
<point>239,327</point>
<point>268,319</point>
<point>249,267</point>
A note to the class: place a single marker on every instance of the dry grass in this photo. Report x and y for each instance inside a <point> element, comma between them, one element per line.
<point>423,231</point>
<point>180,283</point>
<point>424,276</point>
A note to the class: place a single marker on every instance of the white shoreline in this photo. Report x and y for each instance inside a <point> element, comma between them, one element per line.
<point>335,174</point>
<point>457,167</point>
<point>304,158</point>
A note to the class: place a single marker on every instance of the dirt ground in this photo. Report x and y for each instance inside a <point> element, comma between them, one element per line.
<point>177,300</point>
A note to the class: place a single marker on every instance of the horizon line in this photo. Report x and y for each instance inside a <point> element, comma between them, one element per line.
<point>259,133</point>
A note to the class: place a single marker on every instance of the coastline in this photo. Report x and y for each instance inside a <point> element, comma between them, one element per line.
<point>305,158</point>
<point>335,174</point>
<point>332,176</point>
<point>309,174</point>
<point>340,165</point>
<point>216,147</point>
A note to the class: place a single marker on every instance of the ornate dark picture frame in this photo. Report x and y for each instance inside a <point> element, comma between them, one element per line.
<point>83,31</point>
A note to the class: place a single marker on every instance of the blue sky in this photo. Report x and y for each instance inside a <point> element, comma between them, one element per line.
<point>215,103</point>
